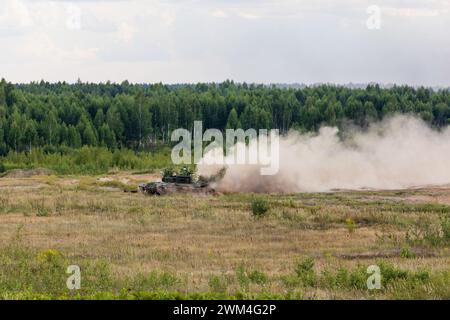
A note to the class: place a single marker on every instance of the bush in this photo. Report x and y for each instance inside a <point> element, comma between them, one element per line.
<point>246,277</point>
<point>350,224</point>
<point>257,277</point>
<point>407,253</point>
<point>154,281</point>
<point>39,207</point>
<point>242,278</point>
<point>445,225</point>
<point>346,279</point>
<point>260,207</point>
<point>428,233</point>
<point>2,168</point>
<point>305,272</point>
<point>218,284</point>
<point>51,256</point>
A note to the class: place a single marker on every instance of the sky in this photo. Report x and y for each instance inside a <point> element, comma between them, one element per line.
<point>256,41</point>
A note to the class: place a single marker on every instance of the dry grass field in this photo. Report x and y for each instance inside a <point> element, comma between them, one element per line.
<point>133,246</point>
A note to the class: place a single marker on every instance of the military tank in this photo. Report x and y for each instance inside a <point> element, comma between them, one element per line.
<point>172,181</point>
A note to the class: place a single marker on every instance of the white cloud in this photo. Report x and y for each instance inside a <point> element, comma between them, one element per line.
<point>414,12</point>
<point>168,18</point>
<point>126,32</point>
<point>14,14</point>
<point>41,47</point>
<point>249,15</point>
<point>219,14</point>
<point>211,40</point>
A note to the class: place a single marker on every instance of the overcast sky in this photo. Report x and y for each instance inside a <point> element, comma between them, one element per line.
<point>268,41</point>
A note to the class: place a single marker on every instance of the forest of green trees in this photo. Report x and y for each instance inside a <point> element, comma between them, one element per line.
<point>59,117</point>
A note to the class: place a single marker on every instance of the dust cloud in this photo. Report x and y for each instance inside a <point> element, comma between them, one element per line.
<point>396,153</point>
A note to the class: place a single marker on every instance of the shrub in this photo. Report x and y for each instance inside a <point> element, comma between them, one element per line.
<point>155,280</point>
<point>49,256</point>
<point>260,207</point>
<point>257,277</point>
<point>39,207</point>
<point>350,224</point>
<point>389,273</point>
<point>432,234</point>
<point>356,278</point>
<point>242,278</point>
<point>305,265</point>
<point>305,271</point>
<point>407,253</point>
<point>246,277</point>
<point>2,168</point>
<point>218,284</point>
<point>290,281</point>
<point>445,225</point>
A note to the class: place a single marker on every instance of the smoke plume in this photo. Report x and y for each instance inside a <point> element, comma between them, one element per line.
<point>397,153</point>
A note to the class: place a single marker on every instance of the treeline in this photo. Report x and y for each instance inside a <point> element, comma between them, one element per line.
<point>86,160</point>
<point>133,116</point>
